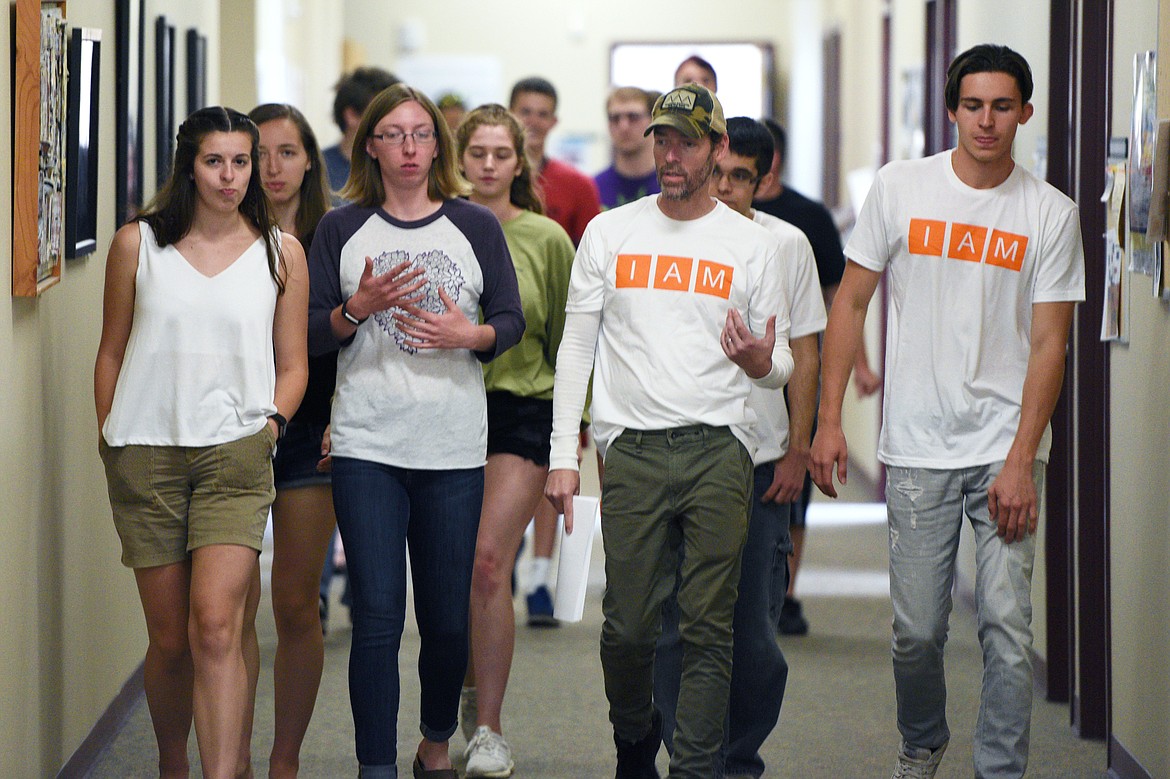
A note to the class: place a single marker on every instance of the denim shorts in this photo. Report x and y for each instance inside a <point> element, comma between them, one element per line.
<point>169,500</point>
<point>297,455</point>
<point>519,426</point>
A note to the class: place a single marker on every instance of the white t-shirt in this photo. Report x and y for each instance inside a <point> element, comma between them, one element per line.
<point>663,288</point>
<point>965,268</point>
<point>199,368</point>
<point>806,310</point>
<point>396,404</point>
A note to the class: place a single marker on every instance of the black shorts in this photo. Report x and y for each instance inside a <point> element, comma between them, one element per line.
<point>519,426</point>
<point>297,455</point>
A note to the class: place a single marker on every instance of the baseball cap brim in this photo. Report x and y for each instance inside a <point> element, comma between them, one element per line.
<point>684,124</point>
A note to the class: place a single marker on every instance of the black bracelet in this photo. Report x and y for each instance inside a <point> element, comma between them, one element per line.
<point>281,424</point>
<point>350,317</point>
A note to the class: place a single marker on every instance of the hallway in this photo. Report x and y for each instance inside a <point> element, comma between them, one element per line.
<point>838,716</point>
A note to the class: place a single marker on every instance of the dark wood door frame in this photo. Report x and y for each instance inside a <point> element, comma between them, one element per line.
<point>941,34</point>
<point>1078,538</point>
<point>1062,135</point>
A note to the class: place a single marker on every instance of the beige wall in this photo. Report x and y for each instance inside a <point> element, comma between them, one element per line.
<point>1140,461</point>
<point>73,631</point>
<point>72,626</point>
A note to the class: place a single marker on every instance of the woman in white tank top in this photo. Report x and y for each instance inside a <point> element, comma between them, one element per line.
<point>202,359</point>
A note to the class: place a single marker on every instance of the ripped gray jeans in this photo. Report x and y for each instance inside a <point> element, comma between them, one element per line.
<point>926,508</point>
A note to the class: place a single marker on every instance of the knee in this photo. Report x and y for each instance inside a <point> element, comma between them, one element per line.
<point>296,613</point>
<point>172,647</point>
<point>618,644</point>
<point>914,641</point>
<point>491,573</point>
<point>213,634</point>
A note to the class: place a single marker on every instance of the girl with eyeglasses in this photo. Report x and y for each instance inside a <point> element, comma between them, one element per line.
<point>519,406</point>
<point>201,360</point>
<point>416,287</point>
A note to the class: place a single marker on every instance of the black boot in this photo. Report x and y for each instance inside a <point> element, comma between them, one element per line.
<point>636,760</point>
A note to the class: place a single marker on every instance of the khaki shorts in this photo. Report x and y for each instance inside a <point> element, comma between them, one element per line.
<point>169,500</point>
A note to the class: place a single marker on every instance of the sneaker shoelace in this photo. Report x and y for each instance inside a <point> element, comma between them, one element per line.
<point>490,743</point>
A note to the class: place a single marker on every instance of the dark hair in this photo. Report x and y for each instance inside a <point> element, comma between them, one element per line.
<point>987,58</point>
<point>540,86</point>
<point>355,90</point>
<point>779,139</point>
<point>748,138</point>
<point>364,186</point>
<point>172,210</point>
<point>702,63</point>
<point>314,191</point>
<point>523,191</point>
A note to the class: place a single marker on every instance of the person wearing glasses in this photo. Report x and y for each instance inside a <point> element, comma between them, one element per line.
<point>632,174</point>
<point>759,671</point>
<point>417,289</point>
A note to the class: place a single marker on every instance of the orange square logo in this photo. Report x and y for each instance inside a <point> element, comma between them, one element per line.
<point>633,270</point>
<point>967,242</point>
<point>926,237</point>
<point>673,273</point>
<point>1007,250</point>
<point>714,279</point>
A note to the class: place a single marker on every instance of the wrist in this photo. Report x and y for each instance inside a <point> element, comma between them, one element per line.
<point>280,422</point>
<point>348,313</point>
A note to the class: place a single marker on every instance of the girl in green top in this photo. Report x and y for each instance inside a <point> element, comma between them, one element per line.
<point>519,395</point>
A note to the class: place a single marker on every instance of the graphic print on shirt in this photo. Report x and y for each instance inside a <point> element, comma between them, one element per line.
<point>681,274</point>
<point>969,243</point>
<point>440,272</point>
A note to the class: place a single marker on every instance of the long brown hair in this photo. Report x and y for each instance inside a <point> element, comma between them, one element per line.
<point>364,186</point>
<point>314,191</point>
<point>523,191</point>
<point>172,211</point>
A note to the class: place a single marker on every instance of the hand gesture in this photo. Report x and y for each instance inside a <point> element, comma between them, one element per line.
<point>561,486</point>
<point>427,330</point>
<point>752,354</point>
<point>325,464</point>
<point>1012,503</point>
<point>787,479</point>
<point>397,287</point>
<point>865,380</point>
<point>829,450</point>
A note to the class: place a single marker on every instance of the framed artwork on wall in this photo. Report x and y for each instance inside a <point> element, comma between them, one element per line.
<point>129,47</point>
<point>196,70</point>
<point>164,98</point>
<point>39,86</point>
<point>81,178</point>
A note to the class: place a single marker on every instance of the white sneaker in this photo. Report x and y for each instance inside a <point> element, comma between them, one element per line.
<point>488,755</point>
<point>468,713</point>
<point>914,763</point>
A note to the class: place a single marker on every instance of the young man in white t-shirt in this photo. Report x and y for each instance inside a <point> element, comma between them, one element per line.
<point>759,671</point>
<point>984,268</point>
<point>677,304</point>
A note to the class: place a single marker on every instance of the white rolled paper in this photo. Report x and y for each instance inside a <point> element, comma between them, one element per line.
<point>573,566</point>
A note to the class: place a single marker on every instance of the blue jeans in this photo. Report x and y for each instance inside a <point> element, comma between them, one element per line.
<point>381,510</point>
<point>759,671</point>
<point>926,511</point>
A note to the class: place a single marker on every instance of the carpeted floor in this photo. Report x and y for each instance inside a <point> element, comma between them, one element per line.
<point>837,721</point>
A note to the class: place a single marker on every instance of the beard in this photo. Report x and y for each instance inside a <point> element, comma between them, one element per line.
<point>691,183</point>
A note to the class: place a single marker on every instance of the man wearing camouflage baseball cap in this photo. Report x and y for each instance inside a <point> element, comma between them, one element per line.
<point>691,109</point>
<point>676,304</point>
